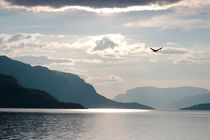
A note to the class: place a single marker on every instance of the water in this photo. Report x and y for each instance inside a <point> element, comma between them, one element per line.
<point>104,124</point>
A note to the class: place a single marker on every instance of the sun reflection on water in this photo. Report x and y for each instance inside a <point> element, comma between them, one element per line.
<point>115,110</point>
<point>91,110</point>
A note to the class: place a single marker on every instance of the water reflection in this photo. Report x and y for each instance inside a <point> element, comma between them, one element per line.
<point>108,110</point>
<point>105,124</point>
<point>65,111</point>
<point>41,126</point>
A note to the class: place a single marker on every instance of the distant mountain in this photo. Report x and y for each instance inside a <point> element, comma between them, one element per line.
<point>12,95</point>
<point>166,98</point>
<point>65,87</point>
<point>198,107</point>
<point>190,101</point>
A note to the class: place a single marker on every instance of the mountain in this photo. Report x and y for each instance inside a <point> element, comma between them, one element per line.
<point>166,98</point>
<point>198,107</point>
<point>12,95</point>
<point>65,87</point>
<point>191,100</point>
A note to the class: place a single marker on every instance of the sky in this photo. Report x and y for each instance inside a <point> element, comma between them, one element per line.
<point>107,43</point>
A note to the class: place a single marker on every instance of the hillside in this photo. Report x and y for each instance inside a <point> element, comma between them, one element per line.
<point>198,107</point>
<point>65,87</point>
<point>12,95</point>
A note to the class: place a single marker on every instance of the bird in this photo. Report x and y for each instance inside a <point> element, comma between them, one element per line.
<point>155,50</point>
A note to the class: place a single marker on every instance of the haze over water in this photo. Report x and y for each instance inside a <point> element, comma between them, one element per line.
<point>104,124</point>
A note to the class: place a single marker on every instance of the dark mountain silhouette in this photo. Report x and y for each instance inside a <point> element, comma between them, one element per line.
<point>166,98</point>
<point>12,95</point>
<point>65,87</point>
<point>198,107</point>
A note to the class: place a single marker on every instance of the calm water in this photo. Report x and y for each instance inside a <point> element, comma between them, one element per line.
<point>96,124</point>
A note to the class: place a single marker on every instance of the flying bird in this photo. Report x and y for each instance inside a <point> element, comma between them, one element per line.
<point>155,50</point>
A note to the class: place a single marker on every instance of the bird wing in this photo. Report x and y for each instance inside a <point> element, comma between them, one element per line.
<point>152,49</point>
<point>159,48</point>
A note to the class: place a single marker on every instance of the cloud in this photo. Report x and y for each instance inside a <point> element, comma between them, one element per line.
<point>88,3</point>
<point>35,44</point>
<point>174,51</point>
<point>101,6</point>
<point>177,55</point>
<point>104,43</point>
<point>11,43</point>
<point>171,21</point>
<point>41,41</point>
<point>40,60</point>
<point>113,77</point>
<point>91,61</point>
<point>19,36</point>
<point>98,6</point>
<point>116,46</point>
<point>92,50</point>
<point>184,15</point>
<point>1,39</point>
<point>105,80</point>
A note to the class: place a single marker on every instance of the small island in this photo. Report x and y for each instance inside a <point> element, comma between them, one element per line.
<point>13,95</point>
<point>198,107</point>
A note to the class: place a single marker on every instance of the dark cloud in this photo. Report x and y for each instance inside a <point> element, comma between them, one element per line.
<point>40,60</point>
<point>104,44</point>
<point>88,3</point>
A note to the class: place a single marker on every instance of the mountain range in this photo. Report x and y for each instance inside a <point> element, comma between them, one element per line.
<point>166,98</point>
<point>65,87</point>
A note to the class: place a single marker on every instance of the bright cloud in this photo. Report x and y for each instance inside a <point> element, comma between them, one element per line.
<point>105,80</point>
<point>92,61</point>
<point>185,15</point>
<point>171,21</point>
<point>92,49</point>
<point>116,46</point>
